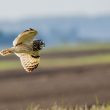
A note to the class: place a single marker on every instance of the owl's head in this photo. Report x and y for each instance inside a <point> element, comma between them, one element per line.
<point>38,44</point>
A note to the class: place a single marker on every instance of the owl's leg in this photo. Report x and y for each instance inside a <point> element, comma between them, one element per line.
<point>6,52</point>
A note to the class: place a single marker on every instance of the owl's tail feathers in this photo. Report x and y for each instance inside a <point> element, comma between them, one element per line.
<point>6,52</point>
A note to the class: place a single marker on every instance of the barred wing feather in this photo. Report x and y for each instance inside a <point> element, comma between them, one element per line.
<point>28,62</point>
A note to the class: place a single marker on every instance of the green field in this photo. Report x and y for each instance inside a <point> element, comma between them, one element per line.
<point>65,61</point>
<point>77,47</point>
<point>60,62</point>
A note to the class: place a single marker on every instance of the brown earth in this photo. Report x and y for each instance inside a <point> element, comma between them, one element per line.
<point>72,85</point>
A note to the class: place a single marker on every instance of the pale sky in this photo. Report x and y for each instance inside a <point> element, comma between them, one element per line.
<point>17,9</point>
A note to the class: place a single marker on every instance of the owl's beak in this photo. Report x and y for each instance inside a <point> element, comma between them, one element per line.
<point>43,43</point>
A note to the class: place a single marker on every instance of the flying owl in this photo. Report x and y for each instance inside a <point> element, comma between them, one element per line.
<point>26,49</point>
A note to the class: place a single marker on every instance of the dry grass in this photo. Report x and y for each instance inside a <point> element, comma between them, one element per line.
<point>63,107</point>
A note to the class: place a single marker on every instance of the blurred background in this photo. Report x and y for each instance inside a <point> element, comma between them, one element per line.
<point>75,64</point>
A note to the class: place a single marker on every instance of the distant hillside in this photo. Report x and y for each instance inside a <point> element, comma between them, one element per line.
<point>59,30</point>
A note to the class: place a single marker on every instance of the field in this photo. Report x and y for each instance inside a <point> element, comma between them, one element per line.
<point>68,76</point>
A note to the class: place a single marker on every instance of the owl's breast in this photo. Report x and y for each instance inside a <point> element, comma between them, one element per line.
<point>22,48</point>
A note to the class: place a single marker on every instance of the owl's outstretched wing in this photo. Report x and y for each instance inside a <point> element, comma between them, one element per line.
<point>25,37</point>
<point>29,62</point>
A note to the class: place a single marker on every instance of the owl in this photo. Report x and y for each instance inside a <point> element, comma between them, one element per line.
<point>26,49</point>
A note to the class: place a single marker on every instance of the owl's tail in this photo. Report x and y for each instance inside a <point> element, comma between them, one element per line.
<point>6,52</point>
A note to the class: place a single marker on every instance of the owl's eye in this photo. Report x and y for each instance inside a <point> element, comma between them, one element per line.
<point>31,29</point>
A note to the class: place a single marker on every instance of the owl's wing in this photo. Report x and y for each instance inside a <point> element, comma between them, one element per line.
<point>25,37</point>
<point>29,62</point>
